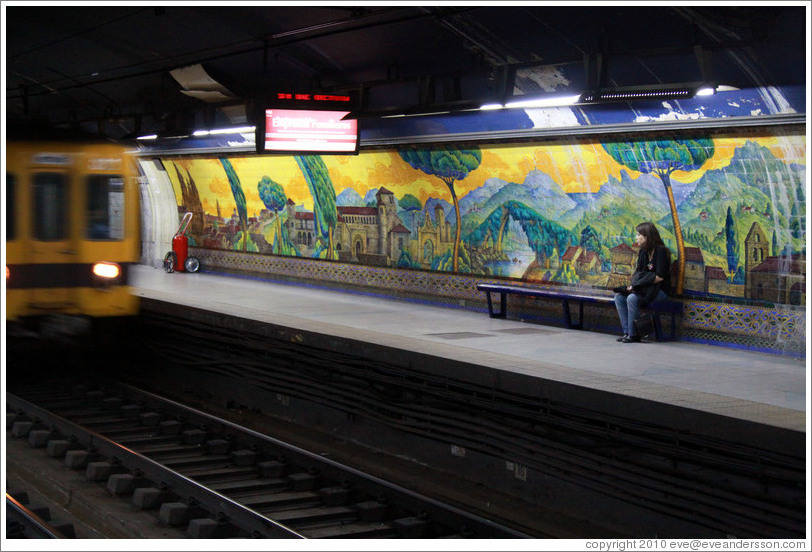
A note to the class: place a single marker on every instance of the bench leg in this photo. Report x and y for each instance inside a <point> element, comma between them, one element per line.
<point>568,316</point>
<point>658,328</point>
<point>502,303</point>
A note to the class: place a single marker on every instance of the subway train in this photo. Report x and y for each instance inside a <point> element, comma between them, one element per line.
<point>72,231</point>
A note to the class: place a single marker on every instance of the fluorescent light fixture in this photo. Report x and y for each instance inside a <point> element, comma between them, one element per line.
<point>558,101</point>
<point>427,114</point>
<point>490,106</point>
<point>148,137</point>
<point>706,91</point>
<point>232,130</point>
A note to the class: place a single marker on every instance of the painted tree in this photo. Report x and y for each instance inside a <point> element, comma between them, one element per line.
<point>411,204</point>
<point>449,165</point>
<point>239,199</point>
<point>661,158</point>
<point>732,242</point>
<point>590,240</point>
<point>274,198</point>
<point>796,222</point>
<point>324,197</point>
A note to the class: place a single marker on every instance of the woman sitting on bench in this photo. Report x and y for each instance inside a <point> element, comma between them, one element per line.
<point>651,281</point>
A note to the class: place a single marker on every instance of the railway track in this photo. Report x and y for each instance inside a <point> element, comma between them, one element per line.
<point>26,521</point>
<point>212,478</point>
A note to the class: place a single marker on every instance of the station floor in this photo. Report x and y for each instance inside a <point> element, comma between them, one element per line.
<point>756,387</point>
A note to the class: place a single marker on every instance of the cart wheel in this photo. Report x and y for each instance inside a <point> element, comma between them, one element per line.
<point>191,264</point>
<point>169,261</point>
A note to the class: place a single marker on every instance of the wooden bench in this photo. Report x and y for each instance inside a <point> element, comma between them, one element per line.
<point>565,296</point>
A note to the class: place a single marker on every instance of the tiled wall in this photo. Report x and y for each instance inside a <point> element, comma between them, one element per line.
<point>739,197</point>
<point>774,329</point>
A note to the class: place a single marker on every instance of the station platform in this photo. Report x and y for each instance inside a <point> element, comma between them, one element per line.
<point>768,390</point>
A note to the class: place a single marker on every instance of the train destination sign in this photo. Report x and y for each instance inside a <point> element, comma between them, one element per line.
<point>301,97</point>
<point>312,100</point>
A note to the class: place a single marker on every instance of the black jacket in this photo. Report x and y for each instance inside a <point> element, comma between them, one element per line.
<point>645,271</point>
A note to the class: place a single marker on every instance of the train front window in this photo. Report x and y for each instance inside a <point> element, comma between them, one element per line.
<point>105,207</point>
<point>50,206</point>
<point>11,207</point>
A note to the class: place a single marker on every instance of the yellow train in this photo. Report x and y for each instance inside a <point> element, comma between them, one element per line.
<point>72,230</point>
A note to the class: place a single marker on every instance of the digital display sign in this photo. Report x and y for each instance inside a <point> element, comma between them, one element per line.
<point>308,130</point>
<point>334,99</point>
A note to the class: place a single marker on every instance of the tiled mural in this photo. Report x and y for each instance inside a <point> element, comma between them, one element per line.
<point>730,206</point>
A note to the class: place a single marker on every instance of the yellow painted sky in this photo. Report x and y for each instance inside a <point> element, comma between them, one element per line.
<point>576,167</point>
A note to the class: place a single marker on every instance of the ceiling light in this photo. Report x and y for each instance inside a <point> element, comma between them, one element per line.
<point>148,137</point>
<point>648,94</point>
<point>426,114</point>
<point>232,130</point>
<point>558,101</point>
<point>491,106</point>
<point>706,91</point>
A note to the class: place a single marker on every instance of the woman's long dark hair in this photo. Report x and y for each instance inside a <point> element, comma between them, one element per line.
<point>653,239</point>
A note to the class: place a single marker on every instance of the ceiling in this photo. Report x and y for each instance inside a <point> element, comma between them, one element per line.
<point>109,69</point>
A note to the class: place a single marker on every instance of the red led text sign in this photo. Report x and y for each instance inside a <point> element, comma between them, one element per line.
<point>307,130</point>
<point>295,96</point>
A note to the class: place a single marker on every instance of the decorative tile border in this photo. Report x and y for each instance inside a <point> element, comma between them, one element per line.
<point>778,329</point>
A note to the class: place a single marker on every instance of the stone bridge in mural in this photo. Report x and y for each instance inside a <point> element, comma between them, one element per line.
<point>543,236</point>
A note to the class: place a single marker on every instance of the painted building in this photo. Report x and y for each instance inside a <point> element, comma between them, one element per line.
<point>694,269</point>
<point>780,280</point>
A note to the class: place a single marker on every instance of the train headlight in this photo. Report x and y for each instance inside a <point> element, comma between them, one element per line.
<point>106,271</point>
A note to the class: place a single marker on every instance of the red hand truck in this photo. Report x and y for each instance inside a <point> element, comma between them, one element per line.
<point>179,259</point>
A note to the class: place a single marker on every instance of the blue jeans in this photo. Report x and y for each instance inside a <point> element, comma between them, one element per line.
<point>627,309</point>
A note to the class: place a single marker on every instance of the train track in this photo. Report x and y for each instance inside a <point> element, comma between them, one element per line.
<point>678,482</point>
<point>24,521</point>
<point>212,478</point>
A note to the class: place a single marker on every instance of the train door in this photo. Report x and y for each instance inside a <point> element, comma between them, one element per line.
<point>54,248</point>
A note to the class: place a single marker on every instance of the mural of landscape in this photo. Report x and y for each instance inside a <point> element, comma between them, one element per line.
<point>731,207</point>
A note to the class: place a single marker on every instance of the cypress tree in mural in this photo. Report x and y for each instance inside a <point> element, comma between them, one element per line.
<point>239,199</point>
<point>449,165</point>
<point>732,240</point>
<point>191,202</point>
<point>274,198</point>
<point>662,157</point>
<point>324,196</point>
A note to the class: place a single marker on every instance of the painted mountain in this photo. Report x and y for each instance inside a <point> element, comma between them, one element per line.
<point>350,198</point>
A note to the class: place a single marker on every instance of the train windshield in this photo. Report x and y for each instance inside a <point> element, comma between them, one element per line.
<point>50,206</point>
<point>105,207</point>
